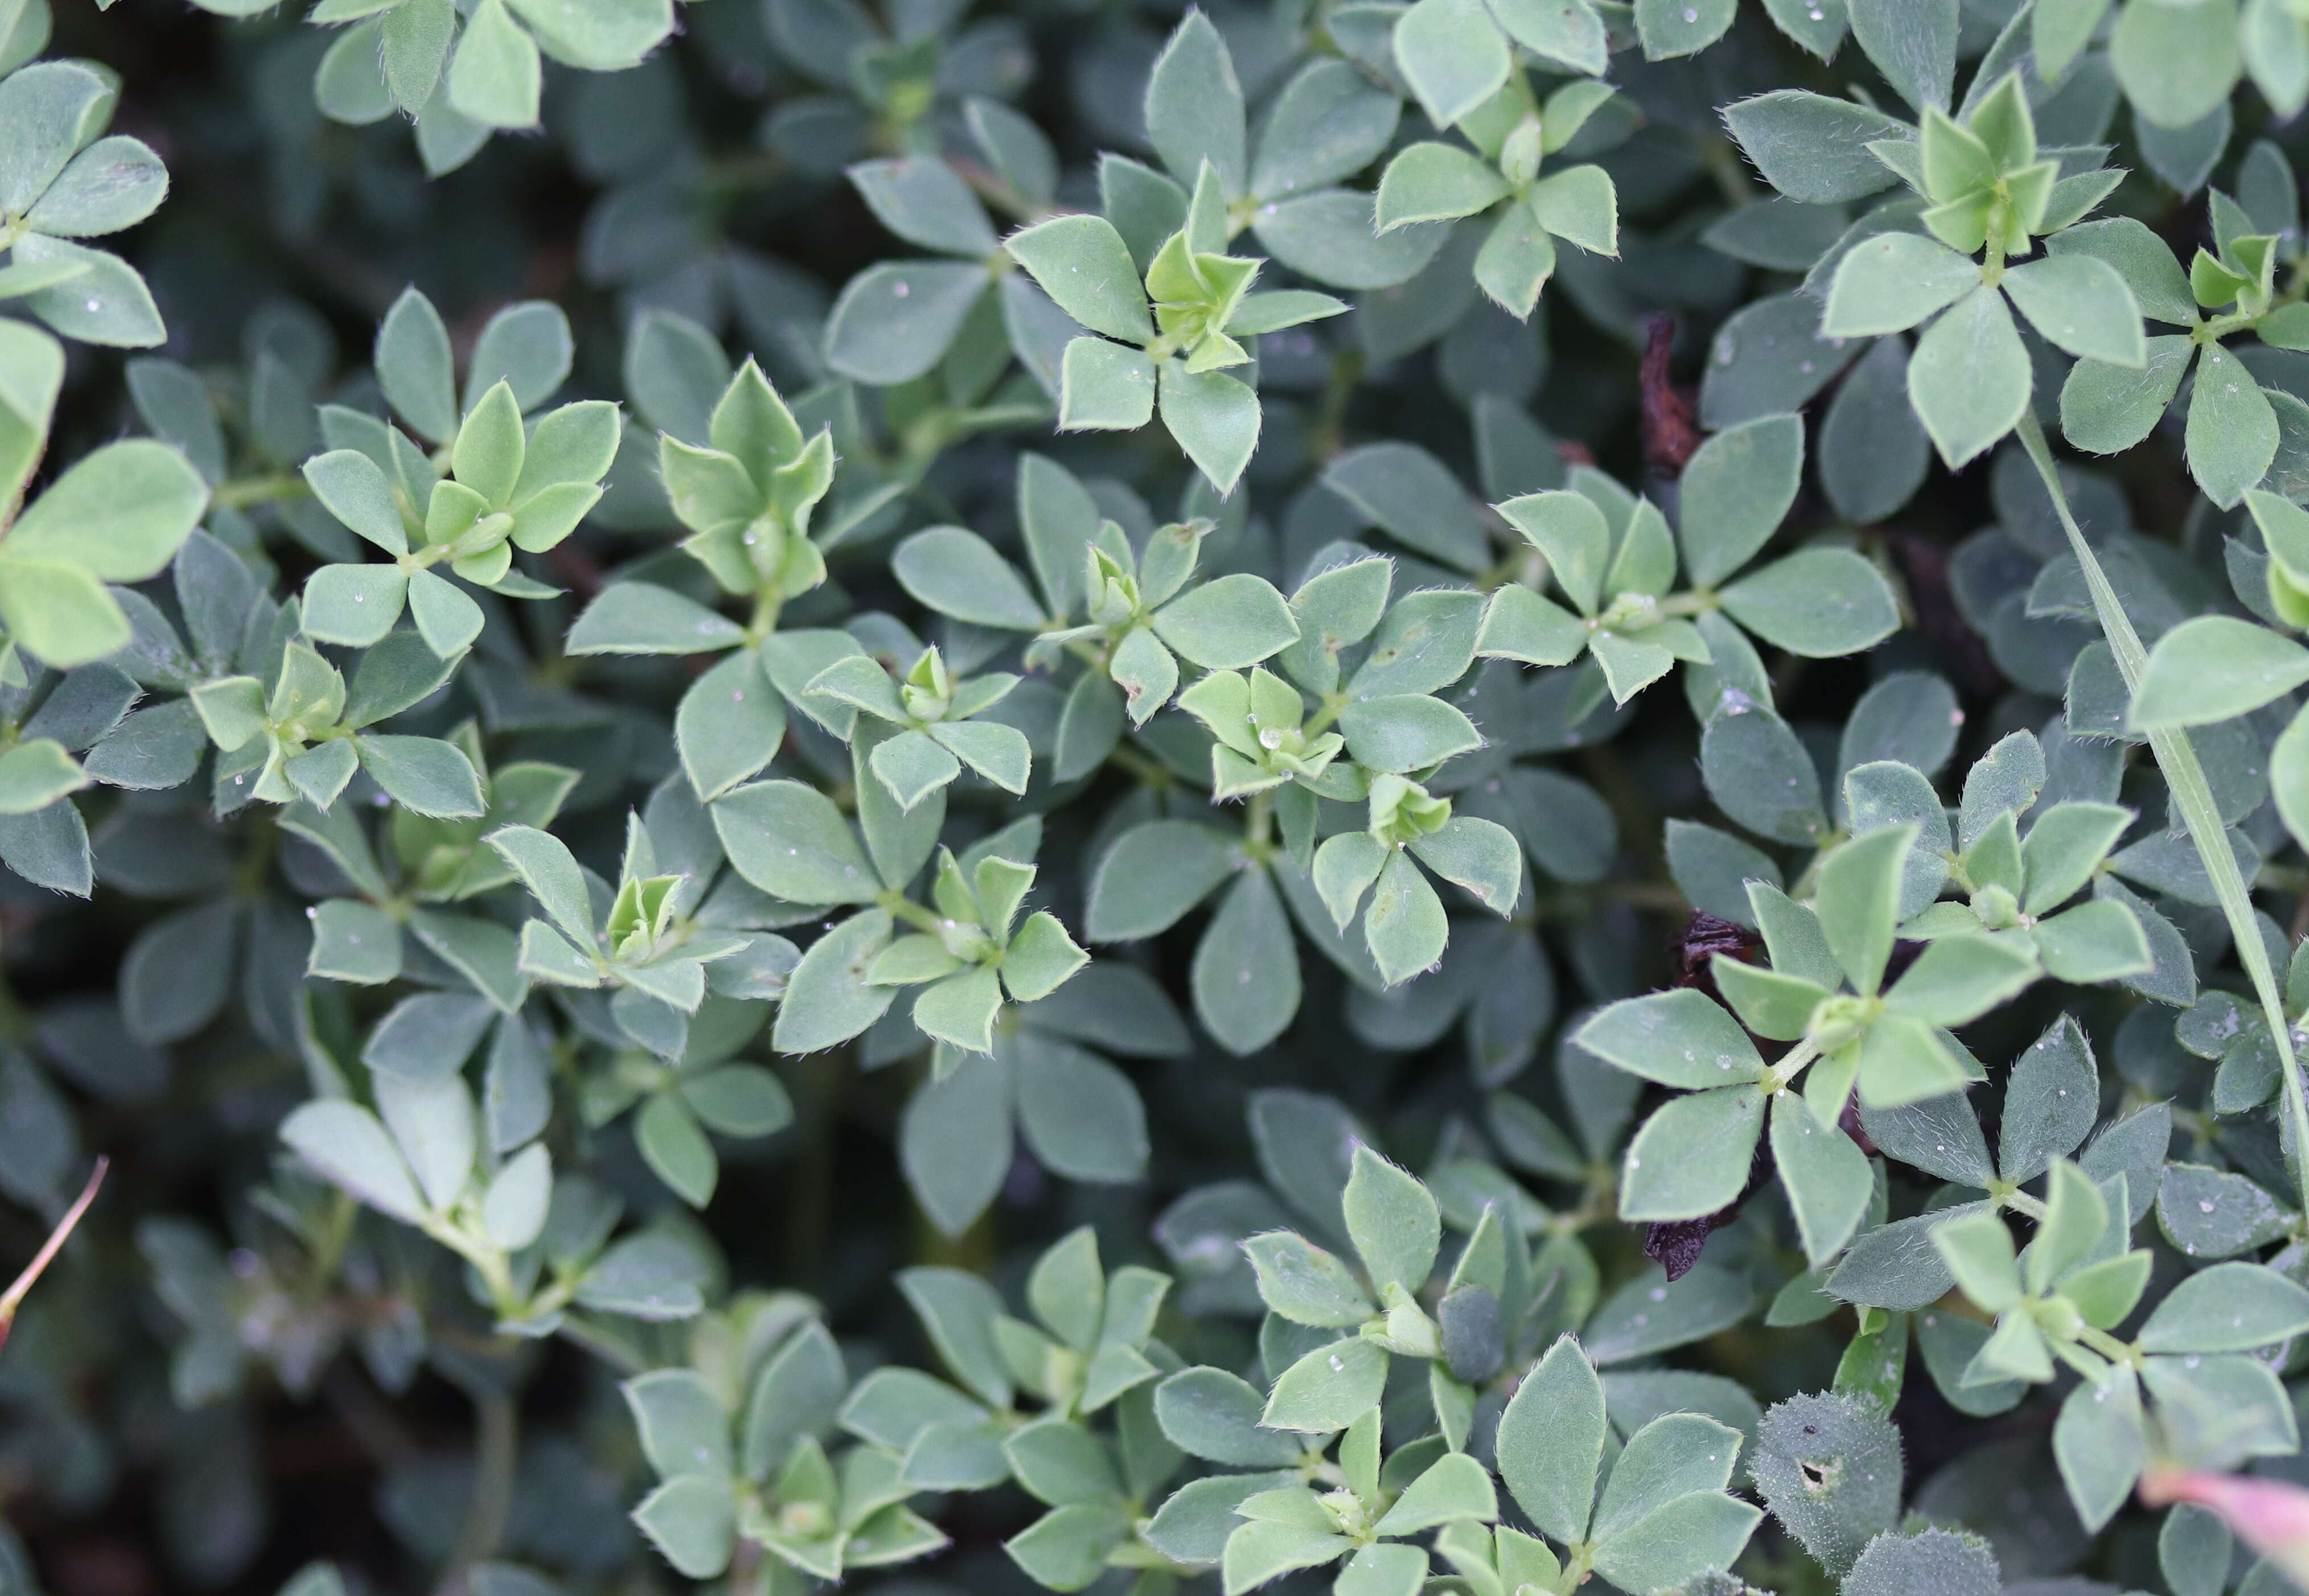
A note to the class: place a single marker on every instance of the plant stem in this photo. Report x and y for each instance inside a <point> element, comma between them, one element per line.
<point>14,1297</point>
<point>2192,795</point>
<point>605,1345</point>
<point>496,1454</point>
<point>239,492</point>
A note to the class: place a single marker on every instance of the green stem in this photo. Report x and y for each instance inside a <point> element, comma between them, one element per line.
<point>607,1345</point>
<point>901,907</point>
<point>2020,1202</point>
<point>241,492</point>
<point>489,1260</point>
<point>496,1454</point>
<point>2192,795</point>
<point>336,1234</point>
<point>1784,1070</point>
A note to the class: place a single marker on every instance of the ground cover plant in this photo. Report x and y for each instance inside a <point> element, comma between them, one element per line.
<point>1481,796</point>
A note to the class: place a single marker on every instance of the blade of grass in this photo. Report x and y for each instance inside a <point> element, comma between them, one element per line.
<point>14,1297</point>
<point>2192,795</point>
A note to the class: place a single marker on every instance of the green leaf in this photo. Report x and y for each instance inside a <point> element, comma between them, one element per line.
<point>2100,941</point>
<point>1327,1389</point>
<point>2100,1445</point>
<point>527,346</point>
<point>1215,1415</point>
<point>1453,56</point>
<point>1696,1533</point>
<point>682,1426</point>
<point>1406,732</point>
<point>112,183</point>
<point>790,840</point>
<point>1434,182</point>
<point>1259,1552</point>
<point>1082,263</point>
<point>676,1149</point>
<point>36,773</point>
<point>95,296</point>
<point>1454,1490</point>
<point>828,999</point>
<point>1414,498</point>
<point>1194,109</point>
<point>921,199</point>
<point>1760,775</point>
<point>595,36</point>
<point>1059,1462</point>
<point>2213,668</point>
<point>2079,304</point>
<point>692,1521</point>
<point>1894,281</point>
<point>1858,902</point>
<point>1571,533</point>
<point>1969,377</point>
<point>1405,926</point>
<point>1041,958</point>
<point>2232,432</point>
<point>488,455</point>
<point>1551,1441</point>
<point>798,1393</point>
<point>1228,624</point>
<point>423,774</point>
<point>120,513</point>
<point>345,1143</point>
<point>1943,1562</point>
<point>959,1312</point>
<point>496,76</point>
<point>1735,491</point>
<point>1669,28</point>
<point>1678,1038</point>
<point>1671,1457</point>
<point>1307,1285</point>
<point>2175,70</point>
<point>1328,123</point>
<point>1152,876</point>
<point>1813,148</point>
<point>2053,1097</point>
<point>1819,602</point>
<point>638,617</point>
<point>1214,418</point>
<point>354,942</point>
<point>1691,1157</point>
<point>1958,978</point>
<point>1392,1220</point>
<point>896,319</point>
<point>1580,205</point>
<point>1826,1177</point>
<point>1914,47</point>
<point>955,1139</point>
<point>2076,1216</point>
<point>960,1009</point>
<point>2230,1308</point>
<point>1477,855</point>
<point>1977,1250</point>
<point>1829,1466</point>
<point>728,725</point>
<point>650,1275</point>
